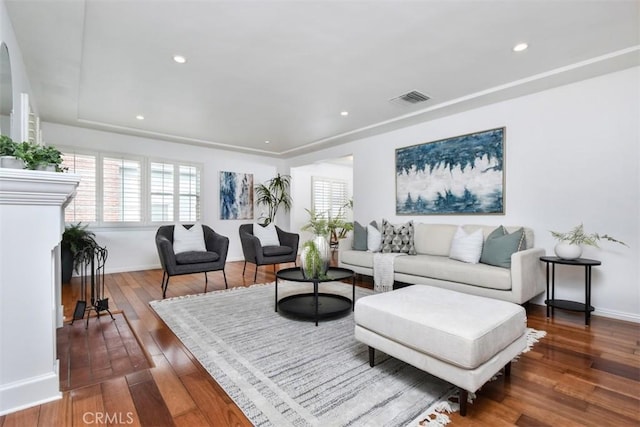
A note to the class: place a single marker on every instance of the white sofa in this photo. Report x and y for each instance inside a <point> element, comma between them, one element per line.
<point>432,266</point>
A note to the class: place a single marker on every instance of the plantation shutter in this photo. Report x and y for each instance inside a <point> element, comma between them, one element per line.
<point>83,206</point>
<point>122,190</point>
<point>329,197</point>
<point>162,191</point>
<point>189,185</point>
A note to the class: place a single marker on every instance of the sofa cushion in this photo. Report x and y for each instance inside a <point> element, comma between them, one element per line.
<point>359,237</point>
<point>398,238</point>
<point>188,240</point>
<point>434,239</point>
<point>374,238</point>
<point>196,257</point>
<point>358,258</point>
<point>500,245</point>
<point>460,329</point>
<point>443,268</point>
<point>466,247</point>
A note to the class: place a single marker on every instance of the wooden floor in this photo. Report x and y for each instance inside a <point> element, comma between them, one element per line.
<point>576,376</point>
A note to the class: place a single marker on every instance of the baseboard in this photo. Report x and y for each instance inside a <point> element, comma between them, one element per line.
<point>30,392</point>
<point>611,314</point>
<point>620,315</point>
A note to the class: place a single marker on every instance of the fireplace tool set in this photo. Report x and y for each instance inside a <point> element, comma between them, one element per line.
<point>92,261</point>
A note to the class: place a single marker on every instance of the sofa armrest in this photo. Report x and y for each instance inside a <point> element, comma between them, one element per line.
<point>527,274</point>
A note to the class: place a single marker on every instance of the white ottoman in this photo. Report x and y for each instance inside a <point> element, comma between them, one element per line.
<point>463,339</point>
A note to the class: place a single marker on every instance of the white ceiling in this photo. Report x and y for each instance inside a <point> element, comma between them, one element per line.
<point>284,70</point>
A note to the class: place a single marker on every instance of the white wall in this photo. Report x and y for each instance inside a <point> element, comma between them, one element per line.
<point>572,156</point>
<point>134,249</point>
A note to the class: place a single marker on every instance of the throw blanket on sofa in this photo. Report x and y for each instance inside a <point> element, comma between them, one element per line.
<point>383,271</point>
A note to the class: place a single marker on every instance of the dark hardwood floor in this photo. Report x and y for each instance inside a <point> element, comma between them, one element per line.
<point>575,376</point>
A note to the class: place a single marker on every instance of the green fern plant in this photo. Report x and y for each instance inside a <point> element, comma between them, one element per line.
<point>577,236</point>
<point>312,260</point>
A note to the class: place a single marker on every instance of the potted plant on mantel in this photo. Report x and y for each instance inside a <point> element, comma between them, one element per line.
<point>27,155</point>
<point>75,239</point>
<point>570,243</point>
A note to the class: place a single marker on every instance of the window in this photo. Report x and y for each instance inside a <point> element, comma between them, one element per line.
<point>83,206</point>
<point>123,189</point>
<point>329,197</point>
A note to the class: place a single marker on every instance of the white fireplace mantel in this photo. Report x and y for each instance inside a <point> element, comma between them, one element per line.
<point>31,226</point>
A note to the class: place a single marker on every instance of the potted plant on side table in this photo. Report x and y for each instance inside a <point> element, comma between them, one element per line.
<point>569,244</point>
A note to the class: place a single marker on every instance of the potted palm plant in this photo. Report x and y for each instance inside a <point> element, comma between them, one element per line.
<point>273,194</point>
<point>75,239</point>
<point>570,243</point>
<point>316,253</point>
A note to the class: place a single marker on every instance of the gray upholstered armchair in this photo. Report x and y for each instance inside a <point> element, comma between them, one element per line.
<point>193,261</point>
<point>257,254</point>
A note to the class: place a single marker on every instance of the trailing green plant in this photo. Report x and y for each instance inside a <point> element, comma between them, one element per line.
<point>577,236</point>
<point>35,155</point>
<point>76,238</point>
<point>273,194</point>
<point>7,146</point>
<point>313,260</point>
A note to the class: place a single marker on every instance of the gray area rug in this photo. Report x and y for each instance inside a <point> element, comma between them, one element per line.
<point>285,372</point>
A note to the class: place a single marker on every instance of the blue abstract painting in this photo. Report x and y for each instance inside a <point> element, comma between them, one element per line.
<point>458,175</point>
<point>236,195</point>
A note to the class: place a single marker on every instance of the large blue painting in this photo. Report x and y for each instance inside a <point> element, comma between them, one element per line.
<point>458,175</point>
<point>236,195</point>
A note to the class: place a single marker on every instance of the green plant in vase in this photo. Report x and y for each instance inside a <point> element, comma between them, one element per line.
<point>312,262</point>
<point>570,243</point>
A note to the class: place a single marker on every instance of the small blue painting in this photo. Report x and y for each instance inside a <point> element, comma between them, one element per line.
<point>458,175</point>
<point>236,195</point>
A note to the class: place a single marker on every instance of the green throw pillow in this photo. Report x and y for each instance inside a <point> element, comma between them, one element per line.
<point>500,245</point>
<point>359,237</point>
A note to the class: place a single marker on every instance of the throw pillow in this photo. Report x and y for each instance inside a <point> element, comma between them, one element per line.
<point>268,235</point>
<point>374,238</point>
<point>188,240</point>
<point>398,238</point>
<point>359,237</point>
<point>466,247</point>
<point>500,245</point>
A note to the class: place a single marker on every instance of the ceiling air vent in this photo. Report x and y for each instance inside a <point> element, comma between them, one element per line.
<point>413,97</point>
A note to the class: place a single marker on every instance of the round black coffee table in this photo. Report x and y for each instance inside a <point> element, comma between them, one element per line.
<point>316,305</point>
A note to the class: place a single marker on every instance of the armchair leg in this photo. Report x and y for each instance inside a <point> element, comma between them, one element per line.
<point>206,282</point>
<point>255,276</point>
<point>164,274</point>
<point>225,279</point>
<point>244,268</point>
<point>165,284</point>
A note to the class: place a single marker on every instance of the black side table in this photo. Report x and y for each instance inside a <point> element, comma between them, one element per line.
<point>552,303</point>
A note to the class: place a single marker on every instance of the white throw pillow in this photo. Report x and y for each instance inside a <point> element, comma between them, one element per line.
<point>188,240</point>
<point>467,247</point>
<point>268,235</point>
<point>374,239</point>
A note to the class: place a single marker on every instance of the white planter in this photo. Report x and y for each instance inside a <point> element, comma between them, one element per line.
<point>47,168</point>
<point>11,162</point>
<point>568,251</point>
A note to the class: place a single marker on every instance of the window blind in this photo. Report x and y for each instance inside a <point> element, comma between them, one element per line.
<point>189,204</point>
<point>162,191</point>
<point>329,196</point>
<point>121,190</point>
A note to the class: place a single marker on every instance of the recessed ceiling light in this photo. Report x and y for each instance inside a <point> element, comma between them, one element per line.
<point>520,47</point>
<point>344,113</point>
<point>140,117</point>
<point>266,142</point>
<point>180,59</point>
